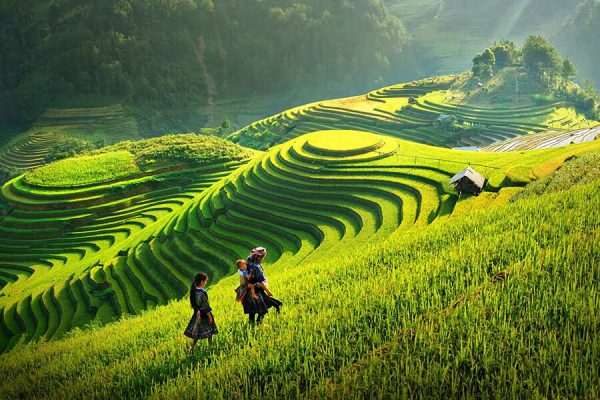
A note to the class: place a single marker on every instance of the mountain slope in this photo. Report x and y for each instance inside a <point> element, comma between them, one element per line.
<point>478,304</point>
<point>107,249</point>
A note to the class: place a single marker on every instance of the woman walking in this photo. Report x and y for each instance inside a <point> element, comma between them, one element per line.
<point>202,324</point>
<point>257,307</point>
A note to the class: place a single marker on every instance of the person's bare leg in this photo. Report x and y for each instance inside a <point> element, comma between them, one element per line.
<point>252,292</point>
<point>266,289</point>
<point>193,345</point>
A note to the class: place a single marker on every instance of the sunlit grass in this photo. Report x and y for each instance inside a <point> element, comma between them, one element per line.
<point>85,170</point>
<point>435,318</point>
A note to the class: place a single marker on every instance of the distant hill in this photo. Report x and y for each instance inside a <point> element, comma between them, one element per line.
<point>63,132</point>
<point>171,58</point>
<point>177,65</point>
<point>445,34</point>
<point>578,38</point>
<point>474,116</point>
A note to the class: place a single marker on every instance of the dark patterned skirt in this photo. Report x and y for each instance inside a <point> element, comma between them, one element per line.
<point>260,305</point>
<point>203,330</point>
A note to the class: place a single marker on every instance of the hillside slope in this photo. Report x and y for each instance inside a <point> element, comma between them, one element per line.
<point>170,57</point>
<point>481,115</point>
<point>485,303</point>
<point>63,222</point>
<point>102,250</point>
<point>64,132</point>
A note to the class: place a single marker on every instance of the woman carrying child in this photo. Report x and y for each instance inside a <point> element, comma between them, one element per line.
<point>202,324</point>
<point>258,304</point>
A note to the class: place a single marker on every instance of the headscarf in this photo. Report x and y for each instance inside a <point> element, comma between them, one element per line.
<point>256,254</point>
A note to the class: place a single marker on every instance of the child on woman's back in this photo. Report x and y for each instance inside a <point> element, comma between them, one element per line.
<point>242,289</point>
<point>245,275</point>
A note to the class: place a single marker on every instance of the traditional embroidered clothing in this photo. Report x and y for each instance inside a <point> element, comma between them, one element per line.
<point>203,329</point>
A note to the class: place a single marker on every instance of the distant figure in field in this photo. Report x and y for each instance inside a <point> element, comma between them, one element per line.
<point>202,324</point>
<point>258,305</point>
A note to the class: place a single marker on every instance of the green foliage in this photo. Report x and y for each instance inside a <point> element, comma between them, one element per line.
<point>70,147</point>
<point>85,170</point>
<point>180,149</point>
<point>541,59</point>
<point>226,124</point>
<point>168,57</point>
<point>506,53</point>
<point>431,318</point>
<point>483,64</point>
<point>543,98</point>
<point>568,70</point>
<point>132,157</point>
<point>544,64</point>
<point>584,99</point>
<point>577,38</point>
<point>576,171</point>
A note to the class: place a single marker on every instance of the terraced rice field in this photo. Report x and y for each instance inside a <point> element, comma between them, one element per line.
<point>71,256</point>
<point>113,121</point>
<point>409,111</point>
<point>28,150</point>
<point>545,140</point>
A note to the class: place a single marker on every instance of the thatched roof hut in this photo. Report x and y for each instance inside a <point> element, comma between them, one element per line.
<point>468,181</point>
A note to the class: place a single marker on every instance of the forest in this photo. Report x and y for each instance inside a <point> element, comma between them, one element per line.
<point>165,59</point>
<point>172,55</point>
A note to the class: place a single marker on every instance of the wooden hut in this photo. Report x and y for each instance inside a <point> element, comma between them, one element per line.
<point>468,181</point>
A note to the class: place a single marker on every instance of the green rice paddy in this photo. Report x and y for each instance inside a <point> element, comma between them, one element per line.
<point>484,303</point>
<point>94,251</point>
<point>409,111</point>
<point>394,287</point>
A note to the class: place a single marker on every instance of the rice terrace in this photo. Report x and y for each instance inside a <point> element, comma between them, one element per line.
<point>424,235</point>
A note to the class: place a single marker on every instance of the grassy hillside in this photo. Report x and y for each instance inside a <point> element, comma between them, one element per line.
<point>577,38</point>
<point>62,222</point>
<point>169,58</point>
<point>500,303</point>
<point>110,123</point>
<point>482,115</point>
<point>99,251</point>
<point>64,132</point>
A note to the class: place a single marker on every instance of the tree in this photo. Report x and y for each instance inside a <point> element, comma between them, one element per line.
<point>568,70</point>
<point>488,57</point>
<point>226,124</point>
<point>541,59</point>
<point>482,71</point>
<point>505,53</point>
<point>483,64</point>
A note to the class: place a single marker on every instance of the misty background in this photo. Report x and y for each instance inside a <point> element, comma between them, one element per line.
<point>178,65</point>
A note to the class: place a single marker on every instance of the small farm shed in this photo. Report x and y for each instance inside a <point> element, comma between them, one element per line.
<point>468,181</point>
<point>443,118</point>
<point>444,121</point>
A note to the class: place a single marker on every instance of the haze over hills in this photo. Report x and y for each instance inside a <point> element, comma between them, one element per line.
<point>169,58</point>
<point>198,62</point>
<point>429,238</point>
<point>443,35</point>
